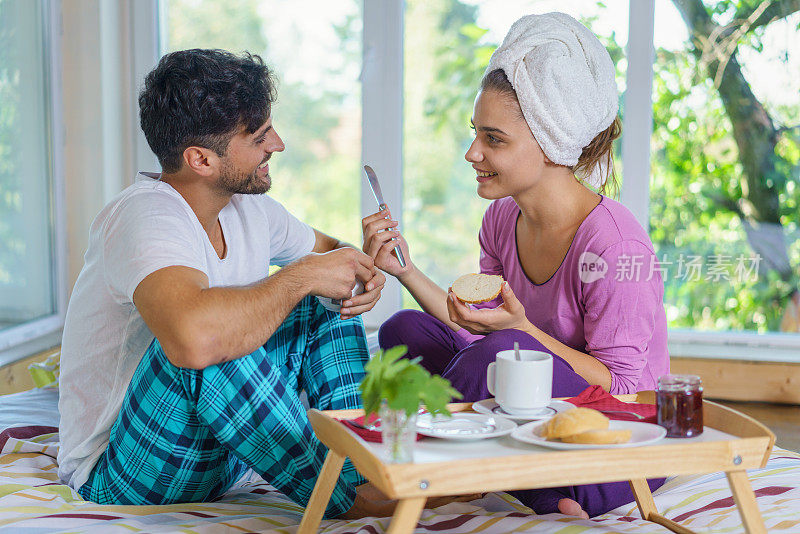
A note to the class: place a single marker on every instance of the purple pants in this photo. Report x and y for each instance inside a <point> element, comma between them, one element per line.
<point>464,365</point>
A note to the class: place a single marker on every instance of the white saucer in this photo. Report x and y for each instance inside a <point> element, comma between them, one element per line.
<point>642,434</point>
<point>464,426</point>
<point>490,407</point>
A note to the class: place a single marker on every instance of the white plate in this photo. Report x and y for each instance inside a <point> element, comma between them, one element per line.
<point>464,426</point>
<point>490,407</point>
<point>642,434</point>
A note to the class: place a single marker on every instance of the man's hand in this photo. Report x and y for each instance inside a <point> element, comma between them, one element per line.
<point>334,274</point>
<point>510,314</point>
<point>365,301</point>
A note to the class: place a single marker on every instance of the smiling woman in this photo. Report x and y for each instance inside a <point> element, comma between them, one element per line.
<point>448,45</point>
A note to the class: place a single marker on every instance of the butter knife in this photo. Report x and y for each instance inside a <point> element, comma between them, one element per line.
<point>376,190</point>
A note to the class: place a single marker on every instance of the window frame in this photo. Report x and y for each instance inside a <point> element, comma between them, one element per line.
<point>148,22</point>
<point>45,332</point>
<point>382,125</point>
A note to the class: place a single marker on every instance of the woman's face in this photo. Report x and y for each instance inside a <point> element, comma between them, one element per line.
<point>506,157</point>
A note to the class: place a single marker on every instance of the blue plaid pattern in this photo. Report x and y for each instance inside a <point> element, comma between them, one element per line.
<point>186,435</point>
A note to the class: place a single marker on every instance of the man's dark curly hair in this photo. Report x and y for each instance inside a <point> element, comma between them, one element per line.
<point>202,98</point>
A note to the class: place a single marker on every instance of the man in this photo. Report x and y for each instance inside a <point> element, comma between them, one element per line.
<point>182,360</point>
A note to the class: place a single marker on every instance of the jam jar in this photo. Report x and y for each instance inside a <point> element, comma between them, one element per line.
<point>679,404</point>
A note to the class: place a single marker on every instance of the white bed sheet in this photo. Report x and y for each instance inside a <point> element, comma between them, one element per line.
<point>33,407</point>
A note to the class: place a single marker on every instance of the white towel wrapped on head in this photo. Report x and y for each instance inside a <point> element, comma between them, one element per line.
<point>564,80</point>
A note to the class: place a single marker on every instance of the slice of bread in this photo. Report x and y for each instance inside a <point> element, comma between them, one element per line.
<point>476,288</point>
<point>574,421</point>
<point>599,437</point>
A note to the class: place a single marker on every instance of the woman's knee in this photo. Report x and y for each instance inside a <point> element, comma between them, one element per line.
<point>504,340</point>
<point>393,331</point>
<point>484,351</point>
<point>566,382</point>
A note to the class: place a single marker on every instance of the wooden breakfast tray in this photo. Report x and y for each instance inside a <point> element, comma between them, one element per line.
<point>731,442</point>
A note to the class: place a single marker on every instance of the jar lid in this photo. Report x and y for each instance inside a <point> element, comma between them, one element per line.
<point>679,382</point>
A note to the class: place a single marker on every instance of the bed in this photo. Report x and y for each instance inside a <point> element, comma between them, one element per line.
<point>33,500</point>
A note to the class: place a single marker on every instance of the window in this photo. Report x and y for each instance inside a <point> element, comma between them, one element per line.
<point>30,278</point>
<point>447,49</point>
<point>724,194</point>
<point>316,53</point>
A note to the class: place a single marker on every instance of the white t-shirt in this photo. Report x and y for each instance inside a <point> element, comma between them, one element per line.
<point>147,227</point>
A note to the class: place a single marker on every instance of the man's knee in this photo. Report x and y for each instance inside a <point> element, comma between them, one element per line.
<point>324,315</point>
<point>155,362</point>
<point>310,321</point>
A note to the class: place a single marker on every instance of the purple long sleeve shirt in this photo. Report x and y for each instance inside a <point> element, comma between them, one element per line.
<point>605,299</point>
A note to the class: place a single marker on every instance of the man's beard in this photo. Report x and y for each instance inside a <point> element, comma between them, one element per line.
<point>235,182</point>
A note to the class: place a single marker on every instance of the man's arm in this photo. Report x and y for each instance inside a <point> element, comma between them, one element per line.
<point>325,243</point>
<point>199,326</point>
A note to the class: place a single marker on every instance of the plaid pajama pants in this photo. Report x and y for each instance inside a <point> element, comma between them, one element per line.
<point>186,435</point>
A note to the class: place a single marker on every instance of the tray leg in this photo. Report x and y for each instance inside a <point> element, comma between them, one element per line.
<point>406,515</point>
<point>746,502</point>
<point>644,498</point>
<point>647,507</point>
<point>322,493</point>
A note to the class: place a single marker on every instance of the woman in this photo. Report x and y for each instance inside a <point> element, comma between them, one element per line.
<point>581,277</point>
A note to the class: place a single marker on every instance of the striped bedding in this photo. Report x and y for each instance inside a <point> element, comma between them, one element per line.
<point>32,500</point>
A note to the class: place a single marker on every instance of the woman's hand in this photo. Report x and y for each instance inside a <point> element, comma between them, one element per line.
<point>510,314</point>
<point>379,245</point>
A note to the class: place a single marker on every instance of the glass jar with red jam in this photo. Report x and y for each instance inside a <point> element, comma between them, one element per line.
<point>679,404</point>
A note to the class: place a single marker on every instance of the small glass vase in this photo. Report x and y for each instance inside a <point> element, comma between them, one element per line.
<point>399,432</point>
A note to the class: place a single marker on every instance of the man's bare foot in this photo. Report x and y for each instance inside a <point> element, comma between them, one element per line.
<point>570,507</point>
<point>371,502</point>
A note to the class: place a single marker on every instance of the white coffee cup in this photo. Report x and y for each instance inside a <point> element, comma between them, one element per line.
<point>521,387</point>
<point>335,305</point>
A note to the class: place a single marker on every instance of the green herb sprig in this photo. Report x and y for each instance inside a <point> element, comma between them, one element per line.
<point>404,384</point>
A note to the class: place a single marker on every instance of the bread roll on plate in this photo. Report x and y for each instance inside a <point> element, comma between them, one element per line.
<point>574,421</point>
<point>600,437</point>
<point>583,425</point>
<point>477,288</point>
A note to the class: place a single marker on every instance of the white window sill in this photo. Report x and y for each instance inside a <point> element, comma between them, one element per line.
<point>745,346</point>
<point>34,344</point>
<point>783,348</point>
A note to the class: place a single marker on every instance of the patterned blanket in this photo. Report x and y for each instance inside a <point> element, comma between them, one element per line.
<point>32,500</point>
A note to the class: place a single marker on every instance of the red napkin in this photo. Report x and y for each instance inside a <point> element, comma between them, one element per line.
<point>597,398</point>
<point>356,425</point>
